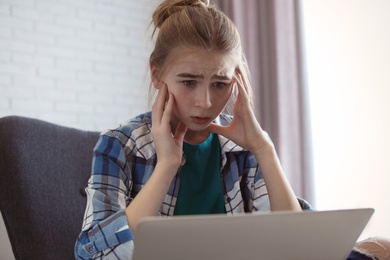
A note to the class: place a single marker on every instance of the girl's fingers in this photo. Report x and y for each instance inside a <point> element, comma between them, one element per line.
<point>180,132</point>
<point>217,129</point>
<point>167,111</point>
<point>242,85</point>
<point>158,105</point>
<point>243,88</point>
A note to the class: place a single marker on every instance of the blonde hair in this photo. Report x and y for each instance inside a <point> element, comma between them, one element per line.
<point>193,24</point>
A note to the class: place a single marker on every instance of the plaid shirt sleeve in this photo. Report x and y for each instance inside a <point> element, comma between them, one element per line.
<point>105,233</point>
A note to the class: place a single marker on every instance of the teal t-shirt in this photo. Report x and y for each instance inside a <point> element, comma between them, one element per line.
<point>201,190</point>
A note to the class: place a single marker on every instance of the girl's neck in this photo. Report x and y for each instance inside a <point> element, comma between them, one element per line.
<point>197,137</point>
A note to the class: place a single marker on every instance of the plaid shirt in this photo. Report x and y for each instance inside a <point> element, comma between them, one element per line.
<point>124,159</point>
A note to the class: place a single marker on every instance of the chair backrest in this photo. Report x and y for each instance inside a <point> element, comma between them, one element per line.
<point>44,169</point>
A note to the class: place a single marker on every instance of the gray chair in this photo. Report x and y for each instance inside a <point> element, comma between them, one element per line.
<point>44,169</point>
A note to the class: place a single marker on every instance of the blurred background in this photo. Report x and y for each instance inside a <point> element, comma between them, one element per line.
<point>348,61</point>
<point>84,64</point>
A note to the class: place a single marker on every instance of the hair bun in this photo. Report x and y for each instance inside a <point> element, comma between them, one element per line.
<point>169,7</point>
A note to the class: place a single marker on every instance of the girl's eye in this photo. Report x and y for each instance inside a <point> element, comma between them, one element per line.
<point>189,83</point>
<point>219,84</point>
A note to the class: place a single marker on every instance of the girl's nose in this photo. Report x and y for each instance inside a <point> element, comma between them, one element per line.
<point>203,98</point>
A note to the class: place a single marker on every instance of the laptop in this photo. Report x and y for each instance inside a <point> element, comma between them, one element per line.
<point>328,235</point>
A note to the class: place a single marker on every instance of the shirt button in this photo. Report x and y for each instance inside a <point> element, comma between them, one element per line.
<point>89,248</point>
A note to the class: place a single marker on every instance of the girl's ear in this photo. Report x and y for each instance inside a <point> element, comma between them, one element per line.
<point>154,76</point>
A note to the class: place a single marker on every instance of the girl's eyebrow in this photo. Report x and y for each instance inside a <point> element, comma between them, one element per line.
<point>197,76</point>
<point>189,75</point>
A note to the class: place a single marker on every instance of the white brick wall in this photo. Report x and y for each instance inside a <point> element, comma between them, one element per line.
<point>79,63</point>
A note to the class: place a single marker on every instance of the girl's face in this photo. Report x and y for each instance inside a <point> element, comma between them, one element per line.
<point>201,84</point>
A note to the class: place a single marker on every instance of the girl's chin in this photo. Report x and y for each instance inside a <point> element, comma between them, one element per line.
<point>199,126</point>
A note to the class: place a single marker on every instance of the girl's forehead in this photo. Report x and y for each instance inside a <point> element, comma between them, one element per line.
<point>203,61</point>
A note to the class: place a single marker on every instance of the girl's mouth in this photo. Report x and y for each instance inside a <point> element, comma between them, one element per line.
<point>200,120</point>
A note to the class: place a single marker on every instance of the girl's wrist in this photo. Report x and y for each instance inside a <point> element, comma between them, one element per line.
<point>168,166</point>
<point>263,150</point>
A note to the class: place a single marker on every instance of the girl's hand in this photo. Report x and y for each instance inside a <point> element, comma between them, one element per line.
<point>168,146</point>
<point>244,129</point>
<point>169,153</point>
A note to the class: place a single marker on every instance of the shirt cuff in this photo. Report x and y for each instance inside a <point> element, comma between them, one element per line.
<point>108,233</point>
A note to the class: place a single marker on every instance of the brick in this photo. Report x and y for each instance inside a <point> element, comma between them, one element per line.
<point>108,90</point>
<point>27,3</point>
<point>16,23</point>
<point>111,48</point>
<point>124,101</point>
<point>79,4</point>
<point>108,120</point>
<point>95,98</point>
<point>43,60</point>
<point>32,59</point>
<point>108,110</point>
<point>94,16</point>
<point>74,64</point>
<point>5,103</point>
<point>139,21</point>
<point>32,14</point>
<point>135,6</point>
<point>113,9</point>
<point>5,57</point>
<point>93,35</point>
<point>109,28</point>
<point>5,9</point>
<point>140,99</point>
<point>73,21</point>
<point>56,73</point>
<point>123,40</point>
<point>11,46</point>
<point>5,80</point>
<point>22,58</point>
<point>129,59</point>
<point>53,29</point>
<point>34,37</point>
<point>19,92</point>
<point>95,56</point>
<point>95,77</point>
<point>76,43</point>
<point>112,68</point>
<point>79,87</point>
<point>56,95</point>
<point>35,82</point>
<point>73,107</point>
<point>126,23</point>
<point>90,119</point>
<point>31,104</point>
<point>18,46</point>
<point>6,32</point>
<point>55,7</point>
<point>55,51</point>
<point>17,69</point>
